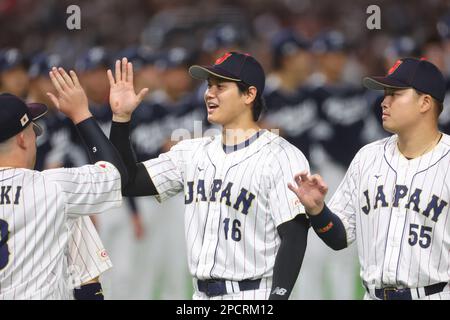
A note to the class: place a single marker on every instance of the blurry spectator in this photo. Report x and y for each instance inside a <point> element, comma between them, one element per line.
<point>13,72</point>
<point>146,74</point>
<point>92,68</point>
<point>329,48</point>
<point>222,39</point>
<point>342,111</point>
<point>55,147</point>
<point>291,108</point>
<point>443,28</point>
<point>400,47</point>
<point>439,53</point>
<point>40,82</point>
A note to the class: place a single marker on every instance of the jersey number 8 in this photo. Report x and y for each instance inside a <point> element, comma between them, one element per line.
<point>4,252</point>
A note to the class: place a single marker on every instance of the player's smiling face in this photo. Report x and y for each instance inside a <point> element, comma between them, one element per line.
<point>401,109</point>
<point>224,103</point>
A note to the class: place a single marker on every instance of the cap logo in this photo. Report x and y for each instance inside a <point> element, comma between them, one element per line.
<point>394,67</point>
<point>24,120</point>
<point>223,58</point>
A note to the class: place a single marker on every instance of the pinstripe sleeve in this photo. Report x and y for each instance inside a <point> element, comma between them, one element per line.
<point>285,163</point>
<point>344,199</point>
<point>87,257</point>
<point>88,189</point>
<point>168,170</point>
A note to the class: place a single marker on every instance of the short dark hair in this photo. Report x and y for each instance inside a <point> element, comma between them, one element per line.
<point>259,104</point>
<point>439,105</point>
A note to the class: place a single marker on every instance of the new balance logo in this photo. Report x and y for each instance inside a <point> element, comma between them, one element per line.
<point>279,291</point>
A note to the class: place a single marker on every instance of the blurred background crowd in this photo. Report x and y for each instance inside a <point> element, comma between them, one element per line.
<point>315,54</point>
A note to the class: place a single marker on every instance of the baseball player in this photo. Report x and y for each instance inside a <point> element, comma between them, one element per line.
<point>394,197</point>
<point>87,258</point>
<point>150,132</point>
<point>245,234</point>
<point>37,208</point>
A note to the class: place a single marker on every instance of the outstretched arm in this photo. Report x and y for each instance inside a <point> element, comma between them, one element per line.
<point>72,101</point>
<point>311,191</point>
<point>123,101</point>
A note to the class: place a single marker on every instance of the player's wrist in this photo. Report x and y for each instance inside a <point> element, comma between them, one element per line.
<point>121,117</point>
<point>316,210</point>
<point>80,117</point>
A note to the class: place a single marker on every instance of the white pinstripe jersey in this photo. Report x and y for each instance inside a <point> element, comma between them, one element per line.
<point>87,257</point>
<point>398,212</point>
<point>37,210</point>
<point>234,201</point>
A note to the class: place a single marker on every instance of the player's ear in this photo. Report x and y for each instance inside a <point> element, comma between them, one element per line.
<point>426,103</point>
<point>21,139</point>
<point>250,95</point>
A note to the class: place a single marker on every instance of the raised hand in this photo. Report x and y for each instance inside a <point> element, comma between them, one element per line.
<point>71,100</point>
<point>122,97</point>
<point>310,190</point>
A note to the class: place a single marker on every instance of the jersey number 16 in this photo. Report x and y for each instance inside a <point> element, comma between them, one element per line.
<point>235,231</point>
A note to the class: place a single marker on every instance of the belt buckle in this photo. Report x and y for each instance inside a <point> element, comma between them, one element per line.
<point>387,290</point>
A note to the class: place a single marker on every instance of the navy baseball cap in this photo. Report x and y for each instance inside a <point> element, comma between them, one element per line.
<point>287,42</point>
<point>331,41</point>
<point>16,115</point>
<point>233,66</point>
<point>42,63</point>
<point>222,36</point>
<point>174,57</point>
<point>10,58</point>
<point>419,74</point>
<point>140,56</point>
<point>401,47</point>
<point>94,58</point>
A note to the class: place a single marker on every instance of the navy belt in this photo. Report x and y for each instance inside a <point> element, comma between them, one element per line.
<point>213,288</point>
<point>405,294</point>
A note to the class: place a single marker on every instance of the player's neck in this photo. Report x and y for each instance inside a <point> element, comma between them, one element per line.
<point>418,143</point>
<point>233,135</point>
<point>12,157</point>
<point>12,163</point>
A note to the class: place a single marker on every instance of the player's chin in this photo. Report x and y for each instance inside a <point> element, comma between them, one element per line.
<point>214,119</point>
<point>389,127</point>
